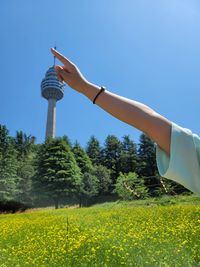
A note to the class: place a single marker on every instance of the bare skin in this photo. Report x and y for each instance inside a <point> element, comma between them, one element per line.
<point>138,115</point>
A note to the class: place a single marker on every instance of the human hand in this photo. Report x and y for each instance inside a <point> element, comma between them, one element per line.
<point>69,73</point>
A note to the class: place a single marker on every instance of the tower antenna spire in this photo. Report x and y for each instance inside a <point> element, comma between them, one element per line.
<point>54,62</point>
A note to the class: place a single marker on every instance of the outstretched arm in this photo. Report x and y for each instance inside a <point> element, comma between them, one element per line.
<point>142,117</point>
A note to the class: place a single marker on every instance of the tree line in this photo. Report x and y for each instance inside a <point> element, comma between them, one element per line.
<point>60,172</point>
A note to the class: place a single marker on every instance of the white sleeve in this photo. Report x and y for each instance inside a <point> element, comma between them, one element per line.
<point>183,164</point>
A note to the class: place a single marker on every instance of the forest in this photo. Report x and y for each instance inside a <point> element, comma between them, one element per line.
<point>59,173</point>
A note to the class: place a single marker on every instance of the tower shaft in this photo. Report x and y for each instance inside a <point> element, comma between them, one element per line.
<point>51,118</point>
<point>52,89</point>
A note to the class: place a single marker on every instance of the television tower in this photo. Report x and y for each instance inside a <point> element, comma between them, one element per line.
<point>53,90</point>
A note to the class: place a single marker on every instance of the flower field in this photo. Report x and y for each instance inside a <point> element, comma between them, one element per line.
<point>102,236</point>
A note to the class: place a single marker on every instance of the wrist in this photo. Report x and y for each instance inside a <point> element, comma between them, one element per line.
<point>90,90</point>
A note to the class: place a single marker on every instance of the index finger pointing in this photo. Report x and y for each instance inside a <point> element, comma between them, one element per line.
<point>62,58</point>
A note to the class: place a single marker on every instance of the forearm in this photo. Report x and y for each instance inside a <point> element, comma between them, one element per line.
<point>134,113</point>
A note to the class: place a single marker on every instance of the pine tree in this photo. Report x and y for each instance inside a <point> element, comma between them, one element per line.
<point>147,156</point>
<point>23,145</point>
<point>128,155</point>
<point>89,182</point>
<point>82,159</point>
<point>8,166</point>
<point>93,150</point>
<point>147,167</point>
<point>57,171</point>
<point>67,141</point>
<point>25,173</point>
<point>111,156</point>
<point>88,188</point>
<point>25,170</point>
<point>104,179</point>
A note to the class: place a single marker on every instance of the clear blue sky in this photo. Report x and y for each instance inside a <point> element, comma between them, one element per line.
<point>145,50</point>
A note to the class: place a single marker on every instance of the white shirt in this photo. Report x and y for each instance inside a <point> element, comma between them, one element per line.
<point>183,165</point>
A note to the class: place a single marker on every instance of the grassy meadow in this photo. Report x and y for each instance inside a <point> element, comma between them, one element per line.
<point>164,232</point>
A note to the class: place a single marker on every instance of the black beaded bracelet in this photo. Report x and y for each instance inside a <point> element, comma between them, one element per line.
<point>102,90</point>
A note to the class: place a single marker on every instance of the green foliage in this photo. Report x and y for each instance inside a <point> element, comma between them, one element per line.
<point>22,145</point>
<point>25,172</point>
<point>25,169</point>
<point>147,157</point>
<point>82,159</point>
<point>8,166</point>
<point>169,187</point>
<point>147,167</point>
<point>129,187</point>
<point>93,150</point>
<point>104,179</point>
<point>111,156</point>
<point>128,155</point>
<point>57,171</point>
<point>88,188</point>
<point>89,183</point>
<point>67,141</point>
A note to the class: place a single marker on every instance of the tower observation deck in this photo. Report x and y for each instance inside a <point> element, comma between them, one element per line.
<point>53,90</point>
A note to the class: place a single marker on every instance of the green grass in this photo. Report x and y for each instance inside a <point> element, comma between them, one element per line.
<point>164,200</point>
<point>152,232</point>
